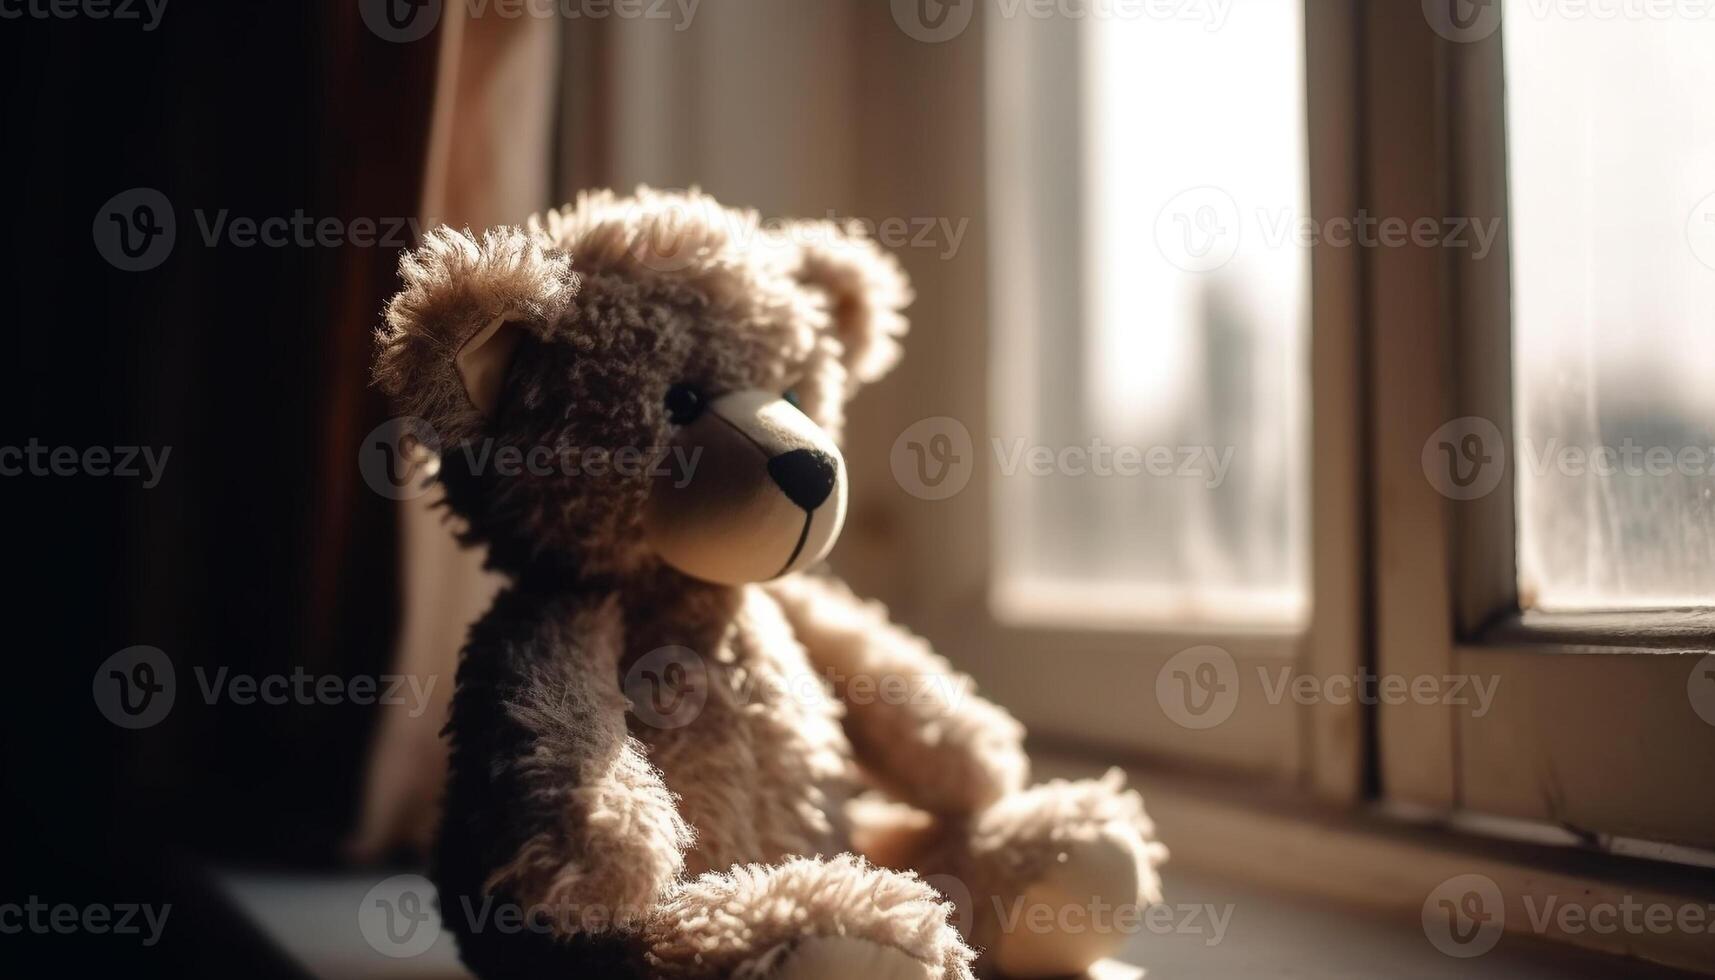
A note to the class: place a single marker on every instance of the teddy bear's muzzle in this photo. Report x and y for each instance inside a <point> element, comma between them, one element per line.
<point>757,490</point>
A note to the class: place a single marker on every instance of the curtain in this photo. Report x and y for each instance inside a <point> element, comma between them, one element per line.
<point>488,162</point>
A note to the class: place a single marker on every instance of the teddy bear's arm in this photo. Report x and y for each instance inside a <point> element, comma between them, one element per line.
<point>592,834</point>
<point>915,723</point>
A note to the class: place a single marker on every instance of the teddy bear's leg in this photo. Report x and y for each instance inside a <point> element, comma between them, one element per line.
<point>1051,880</point>
<point>806,919</point>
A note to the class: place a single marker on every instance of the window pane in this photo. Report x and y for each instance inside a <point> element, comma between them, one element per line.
<point>1150,312</point>
<point>1612,183</point>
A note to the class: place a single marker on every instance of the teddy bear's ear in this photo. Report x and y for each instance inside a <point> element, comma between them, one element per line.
<point>451,332</point>
<point>866,290</point>
<point>483,360</point>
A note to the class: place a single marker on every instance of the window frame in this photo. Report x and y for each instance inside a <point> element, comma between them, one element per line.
<point>1107,702</point>
<point>1591,729</point>
<point>1402,580</point>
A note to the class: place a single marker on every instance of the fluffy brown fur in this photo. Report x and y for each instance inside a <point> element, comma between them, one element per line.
<point>713,848</point>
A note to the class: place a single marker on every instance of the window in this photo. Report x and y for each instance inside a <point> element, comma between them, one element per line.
<point>1554,297</point>
<point>1163,366</point>
<point>1150,288</point>
<point>1569,332</point>
<point>1612,178</point>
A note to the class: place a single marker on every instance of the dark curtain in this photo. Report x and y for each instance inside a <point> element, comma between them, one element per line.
<point>260,550</point>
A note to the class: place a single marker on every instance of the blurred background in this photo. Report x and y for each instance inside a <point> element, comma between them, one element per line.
<point>1209,255</point>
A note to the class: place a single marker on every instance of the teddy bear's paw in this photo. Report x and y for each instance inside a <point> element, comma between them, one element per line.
<point>842,958</point>
<point>806,917</point>
<point>1072,867</point>
<point>1075,914</point>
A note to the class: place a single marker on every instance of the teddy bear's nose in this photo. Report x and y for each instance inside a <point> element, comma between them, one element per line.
<point>807,476</point>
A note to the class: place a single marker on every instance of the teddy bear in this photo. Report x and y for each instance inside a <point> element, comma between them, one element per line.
<point>680,748</point>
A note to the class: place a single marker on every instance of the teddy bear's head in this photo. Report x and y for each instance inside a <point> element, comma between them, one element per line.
<point>639,381</point>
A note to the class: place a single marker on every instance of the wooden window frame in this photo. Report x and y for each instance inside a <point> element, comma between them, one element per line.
<point>1093,685</point>
<point>1591,729</point>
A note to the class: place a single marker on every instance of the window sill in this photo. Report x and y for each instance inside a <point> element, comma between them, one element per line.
<point>1686,631</point>
<point>1261,884</point>
<point>1321,891</point>
<point>1220,927</point>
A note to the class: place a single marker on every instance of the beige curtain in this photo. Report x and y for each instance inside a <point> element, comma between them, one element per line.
<point>489,162</point>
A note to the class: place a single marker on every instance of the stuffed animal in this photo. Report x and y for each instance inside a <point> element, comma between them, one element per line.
<point>678,750</point>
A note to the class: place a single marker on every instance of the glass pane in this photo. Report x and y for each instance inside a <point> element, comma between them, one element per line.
<point>1170,168</point>
<point>1612,160</point>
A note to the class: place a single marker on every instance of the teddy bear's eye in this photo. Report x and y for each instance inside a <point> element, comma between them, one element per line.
<point>790,396</point>
<point>684,404</point>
